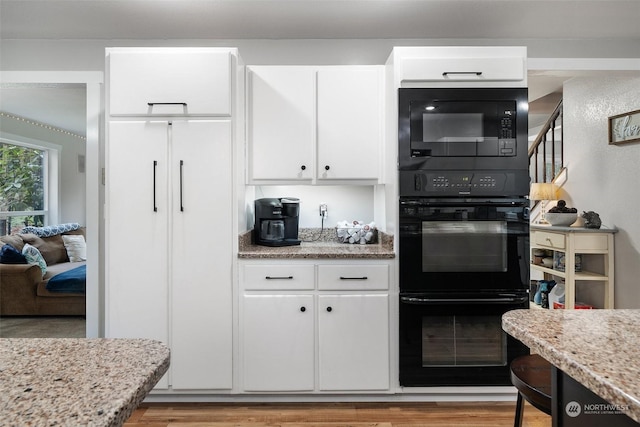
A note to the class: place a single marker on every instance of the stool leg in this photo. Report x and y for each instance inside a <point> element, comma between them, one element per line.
<point>519,411</point>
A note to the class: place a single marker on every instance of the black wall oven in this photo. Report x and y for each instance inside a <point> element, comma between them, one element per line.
<point>463,263</point>
<point>463,232</point>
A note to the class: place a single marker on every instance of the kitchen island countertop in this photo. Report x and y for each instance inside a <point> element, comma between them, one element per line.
<point>317,245</point>
<point>598,348</point>
<point>74,381</point>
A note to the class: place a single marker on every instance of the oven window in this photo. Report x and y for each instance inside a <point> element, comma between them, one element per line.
<point>463,341</point>
<point>464,246</point>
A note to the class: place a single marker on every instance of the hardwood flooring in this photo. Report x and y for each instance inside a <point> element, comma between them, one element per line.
<point>42,327</point>
<point>404,414</point>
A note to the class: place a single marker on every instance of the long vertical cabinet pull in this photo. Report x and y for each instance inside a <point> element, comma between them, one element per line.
<point>155,168</point>
<point>181,181</point>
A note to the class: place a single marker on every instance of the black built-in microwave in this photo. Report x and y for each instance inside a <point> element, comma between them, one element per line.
<point>462,129</point>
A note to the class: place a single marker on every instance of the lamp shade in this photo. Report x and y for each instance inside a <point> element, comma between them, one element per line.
<point>543,191</point>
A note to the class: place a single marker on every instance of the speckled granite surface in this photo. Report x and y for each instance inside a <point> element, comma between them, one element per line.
<point>318,245</point>
<point>76,382</point>
<point>598,348</point>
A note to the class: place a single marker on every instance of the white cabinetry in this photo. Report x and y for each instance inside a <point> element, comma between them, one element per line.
<point>353,342</point>
<point>597,245</point>
<point>278,343</point>
<point>461,66</point>
<point>281,123</point>
<point>316,335</point>
<point>175,81</point>
<point>165,279</point>
<point>314,124</point>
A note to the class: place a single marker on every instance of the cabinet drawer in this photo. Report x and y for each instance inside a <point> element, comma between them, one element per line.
<point>591,242</point>
<point>353,277</point>
<point>278,277</point>
<point>169,81</point>
<point>550,240</point>
<point>463,69</point>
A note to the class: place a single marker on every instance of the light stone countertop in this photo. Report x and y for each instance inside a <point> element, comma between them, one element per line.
<point>316,245</point>
<point>598,348</point>
<point>75,381</point>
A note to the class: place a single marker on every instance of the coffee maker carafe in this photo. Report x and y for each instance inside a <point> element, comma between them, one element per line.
<point>276,221</point>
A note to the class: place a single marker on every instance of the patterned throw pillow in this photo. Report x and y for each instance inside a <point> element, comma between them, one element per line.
<point>50,230</point>
<point>10,255</point>
<point>33,256</point>
<point>76,247</point>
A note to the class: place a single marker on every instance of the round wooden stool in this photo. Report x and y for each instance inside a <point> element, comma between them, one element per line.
<point>531,375</point>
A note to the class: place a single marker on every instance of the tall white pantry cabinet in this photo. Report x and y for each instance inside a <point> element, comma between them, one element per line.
<point>169,206</point>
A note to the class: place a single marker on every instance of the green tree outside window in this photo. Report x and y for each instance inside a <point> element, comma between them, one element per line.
<point>21,185</point>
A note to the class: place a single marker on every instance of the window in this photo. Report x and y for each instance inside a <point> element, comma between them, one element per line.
<point>23,186</point>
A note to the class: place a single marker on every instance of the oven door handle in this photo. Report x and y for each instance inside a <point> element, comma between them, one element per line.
<point>435,301</point>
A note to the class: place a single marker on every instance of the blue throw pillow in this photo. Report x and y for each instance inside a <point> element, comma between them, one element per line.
<point>10,255</point>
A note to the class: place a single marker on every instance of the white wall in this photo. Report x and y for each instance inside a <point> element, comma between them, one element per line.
<point>88,55</point>
<point>604,178</point>
<point>343,202</point>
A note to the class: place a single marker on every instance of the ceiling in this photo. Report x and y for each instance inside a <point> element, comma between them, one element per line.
<point>323,19</point>
<point>63,106</point>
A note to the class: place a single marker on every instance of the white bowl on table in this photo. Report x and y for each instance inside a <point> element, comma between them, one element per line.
<point>561,218</point>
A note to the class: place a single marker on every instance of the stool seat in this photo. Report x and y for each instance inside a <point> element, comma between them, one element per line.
<point>531,376</point>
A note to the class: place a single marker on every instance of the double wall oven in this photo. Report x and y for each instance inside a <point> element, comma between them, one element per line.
<point>463,233</point>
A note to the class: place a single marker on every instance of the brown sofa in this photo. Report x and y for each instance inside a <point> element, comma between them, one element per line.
<point>23,289</point>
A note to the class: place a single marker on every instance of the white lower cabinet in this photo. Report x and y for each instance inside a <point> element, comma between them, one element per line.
<point>278,350</point>
<point>320,338</point>
<point>353,342</point>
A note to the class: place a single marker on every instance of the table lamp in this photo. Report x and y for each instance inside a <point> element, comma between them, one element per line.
<point>543,191</point>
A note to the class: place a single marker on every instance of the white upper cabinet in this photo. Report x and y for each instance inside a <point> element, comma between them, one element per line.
<point>350,122</point>
<point>461,66</point>
<point>281,122</point>
<point>169,81</point>
<point>314,124</point>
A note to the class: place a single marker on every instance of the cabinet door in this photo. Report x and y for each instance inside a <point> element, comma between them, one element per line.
<point>136,231</point>
<point>281,123</point>
<point>350,122</point>
<point>469,69</point>
<point>353,342</point>
<point>201,248</point>
<point>161,81</point>
<point>277,342</point>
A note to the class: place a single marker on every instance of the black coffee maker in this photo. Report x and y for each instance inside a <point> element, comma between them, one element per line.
<point>276,222</point>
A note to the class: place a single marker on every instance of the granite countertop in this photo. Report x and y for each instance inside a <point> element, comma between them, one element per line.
<point>598,348</point>
<point>76,382</point>
<point>318,245</point>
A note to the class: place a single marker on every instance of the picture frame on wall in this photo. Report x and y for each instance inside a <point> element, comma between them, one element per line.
<point>624,128</point>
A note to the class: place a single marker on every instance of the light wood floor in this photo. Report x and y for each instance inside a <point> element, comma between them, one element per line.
<point>478,414</point>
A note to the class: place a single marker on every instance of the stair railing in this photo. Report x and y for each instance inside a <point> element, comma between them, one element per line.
<point>546,154</point>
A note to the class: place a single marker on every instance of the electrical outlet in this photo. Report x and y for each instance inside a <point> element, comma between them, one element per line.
<point>323,210</point>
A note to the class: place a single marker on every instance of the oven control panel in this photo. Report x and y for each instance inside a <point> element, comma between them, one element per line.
<point>463,183</point>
